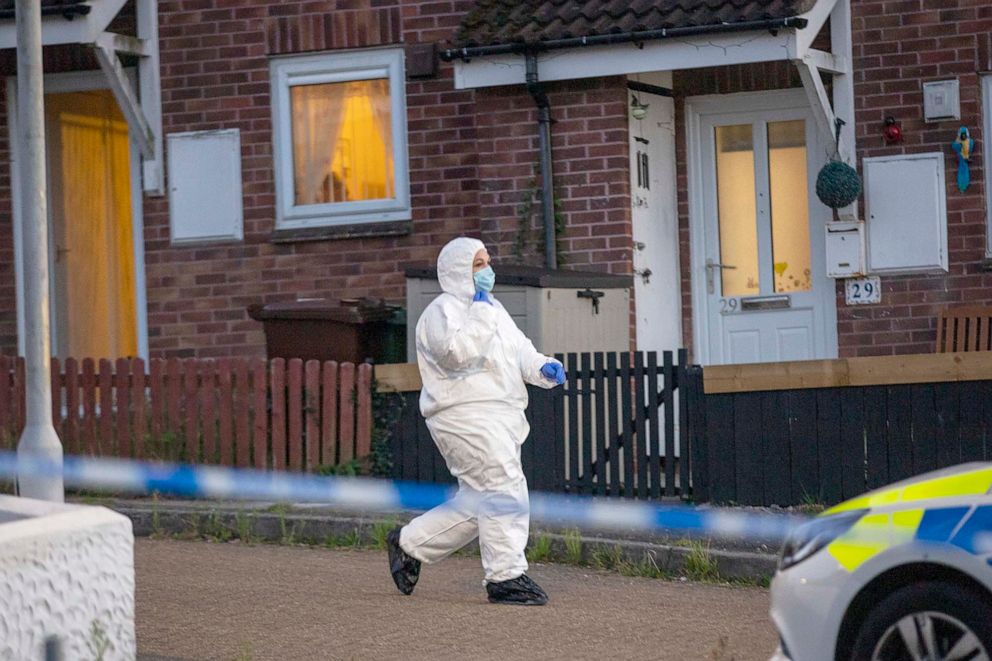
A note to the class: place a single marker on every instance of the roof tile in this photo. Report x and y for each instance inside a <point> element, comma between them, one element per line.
<point>493,22</point>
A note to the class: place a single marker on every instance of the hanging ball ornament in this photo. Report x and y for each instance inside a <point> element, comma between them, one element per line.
<point>838,184</point>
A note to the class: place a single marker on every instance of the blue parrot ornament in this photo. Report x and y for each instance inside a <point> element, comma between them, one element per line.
<point>963,145</point>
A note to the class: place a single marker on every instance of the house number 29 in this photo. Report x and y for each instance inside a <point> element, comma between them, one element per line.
<point>860,291</point>
<point>728,305</point>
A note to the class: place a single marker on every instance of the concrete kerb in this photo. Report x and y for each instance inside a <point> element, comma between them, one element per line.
<point>318,525</point>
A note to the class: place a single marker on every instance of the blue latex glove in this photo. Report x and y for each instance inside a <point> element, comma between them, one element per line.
<point>482,296</point>
<point>554,372</point>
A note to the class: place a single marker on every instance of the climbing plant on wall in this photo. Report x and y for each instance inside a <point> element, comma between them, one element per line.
<point>529,236</point>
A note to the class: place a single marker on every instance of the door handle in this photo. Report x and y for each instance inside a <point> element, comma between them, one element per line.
<point>710,267</point>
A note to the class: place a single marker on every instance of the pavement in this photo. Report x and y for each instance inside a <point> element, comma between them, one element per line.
<point>236,601</point>
<point>744,559</point>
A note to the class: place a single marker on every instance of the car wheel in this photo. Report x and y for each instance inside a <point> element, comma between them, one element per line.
<point>933,620</point>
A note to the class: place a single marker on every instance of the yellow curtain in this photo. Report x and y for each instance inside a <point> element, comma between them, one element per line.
<point>93,243</point>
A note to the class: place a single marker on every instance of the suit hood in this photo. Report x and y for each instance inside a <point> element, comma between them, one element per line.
<point>454,266</point>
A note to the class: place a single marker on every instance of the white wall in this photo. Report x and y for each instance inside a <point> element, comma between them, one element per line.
<point>67,571</point>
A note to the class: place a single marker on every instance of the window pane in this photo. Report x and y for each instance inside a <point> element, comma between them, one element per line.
<point>342,142</point>
<point>790,205</point>
<point>737,213</point>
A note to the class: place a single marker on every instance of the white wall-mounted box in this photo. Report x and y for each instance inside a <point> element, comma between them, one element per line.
<point>906,213</point>
<point>941,100</point>
<point>205,186</point>
<point>845,247</point>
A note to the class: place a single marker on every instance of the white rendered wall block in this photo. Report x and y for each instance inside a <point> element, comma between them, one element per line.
<point>65,571</point>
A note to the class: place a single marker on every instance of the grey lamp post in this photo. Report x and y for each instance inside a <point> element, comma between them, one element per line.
<point>39,440</point>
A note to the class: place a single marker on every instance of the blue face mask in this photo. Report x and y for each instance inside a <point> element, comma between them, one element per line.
<point>485,279</point>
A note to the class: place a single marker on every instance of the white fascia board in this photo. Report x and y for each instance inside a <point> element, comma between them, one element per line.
<point>669,54</point>
<point>54,30</point>
<point>127,100</point>
<point>59,30</point>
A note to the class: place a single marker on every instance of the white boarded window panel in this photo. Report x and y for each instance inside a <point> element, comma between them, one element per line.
<point>205,186</point>
<point>906,207</point>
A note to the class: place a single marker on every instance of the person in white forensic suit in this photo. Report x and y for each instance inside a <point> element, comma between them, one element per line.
<point>475,364</point>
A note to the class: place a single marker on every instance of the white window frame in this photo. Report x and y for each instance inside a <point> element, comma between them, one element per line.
<point>986,79</point>
<point>333,68</point>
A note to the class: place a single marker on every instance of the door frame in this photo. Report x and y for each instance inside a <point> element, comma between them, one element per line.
<point>75,81</point>
<point>666,252</point>
<point>722,104</point>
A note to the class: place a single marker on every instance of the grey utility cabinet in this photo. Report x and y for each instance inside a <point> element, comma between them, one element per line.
<point>559,310</point>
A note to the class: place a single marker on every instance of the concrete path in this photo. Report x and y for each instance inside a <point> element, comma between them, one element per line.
<point>202,600</point>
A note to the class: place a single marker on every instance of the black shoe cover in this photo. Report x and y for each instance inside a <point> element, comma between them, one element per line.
<point>405,570</point>
<point>521,591</point>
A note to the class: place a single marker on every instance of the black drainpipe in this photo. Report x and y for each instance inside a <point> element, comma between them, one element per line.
<point>544,146</point>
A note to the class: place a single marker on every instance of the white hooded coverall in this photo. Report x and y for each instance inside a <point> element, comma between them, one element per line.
<point>474,363</point>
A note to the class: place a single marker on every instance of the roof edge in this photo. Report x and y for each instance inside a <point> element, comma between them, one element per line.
<point>468,52</point>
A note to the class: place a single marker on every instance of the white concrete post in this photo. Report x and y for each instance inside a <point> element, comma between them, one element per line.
<point>39,440</point>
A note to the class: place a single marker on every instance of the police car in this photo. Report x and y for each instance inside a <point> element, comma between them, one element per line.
<point>904,572</point>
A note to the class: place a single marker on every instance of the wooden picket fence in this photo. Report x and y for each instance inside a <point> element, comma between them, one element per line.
<point>280,415</point>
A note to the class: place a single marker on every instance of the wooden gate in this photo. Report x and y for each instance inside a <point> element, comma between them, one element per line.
<point>611,431</point>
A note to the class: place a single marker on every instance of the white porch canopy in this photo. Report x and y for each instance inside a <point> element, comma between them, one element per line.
<point>87,25</point>
<point>664,52</point>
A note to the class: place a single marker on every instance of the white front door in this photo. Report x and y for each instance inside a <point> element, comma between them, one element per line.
<point>760,290</point>
<point>657,286</point>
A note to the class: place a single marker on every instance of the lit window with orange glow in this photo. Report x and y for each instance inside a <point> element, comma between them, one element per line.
<point>340,139</point>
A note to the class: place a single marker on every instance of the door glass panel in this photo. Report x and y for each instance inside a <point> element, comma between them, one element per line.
<point>789,205</point>
<point>736,210</point>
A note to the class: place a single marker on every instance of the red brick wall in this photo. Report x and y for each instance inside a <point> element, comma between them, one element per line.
<point>897,47</point>
<point>215,75</point>
<point>591,180</point>
<point>473,164</point>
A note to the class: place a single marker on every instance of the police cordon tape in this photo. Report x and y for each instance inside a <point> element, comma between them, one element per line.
<point>373,494</point>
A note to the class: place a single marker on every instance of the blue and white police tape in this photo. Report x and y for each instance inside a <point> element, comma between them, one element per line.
<point>370,494</point>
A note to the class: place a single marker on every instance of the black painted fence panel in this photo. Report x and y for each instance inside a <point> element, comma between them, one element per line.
<point>825,445</point>
<point>611,431</point>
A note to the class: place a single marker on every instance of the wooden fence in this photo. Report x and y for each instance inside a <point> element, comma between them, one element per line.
<point>825,431</point>
<point>610,431</point>
<point>248,413</point>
